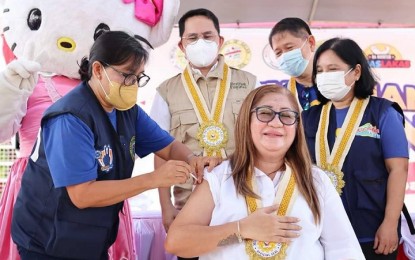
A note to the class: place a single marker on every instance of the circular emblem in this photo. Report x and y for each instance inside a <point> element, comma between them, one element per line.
<point>336,177</point>
<point>269,57</point>
<point>382,51</point>
<point>266,249</point>
<point>237,53</point>
<point>178,58</point>
<point>212,137</point>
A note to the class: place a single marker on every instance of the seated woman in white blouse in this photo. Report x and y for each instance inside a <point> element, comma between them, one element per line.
<point>267,201</point>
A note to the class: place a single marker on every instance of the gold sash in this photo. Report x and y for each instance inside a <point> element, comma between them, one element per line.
<point>285,197</point>
<point>332,163</point>
<point>293,89</point>
<point>212,133</point>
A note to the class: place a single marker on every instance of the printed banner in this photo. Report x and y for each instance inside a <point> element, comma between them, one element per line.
<point>390,53</point>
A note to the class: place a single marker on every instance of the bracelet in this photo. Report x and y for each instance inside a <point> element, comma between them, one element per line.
<point>189,156</point>
<point>238,235</point>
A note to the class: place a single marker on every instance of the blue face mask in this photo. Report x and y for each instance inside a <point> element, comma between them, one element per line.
<point>292,62</point>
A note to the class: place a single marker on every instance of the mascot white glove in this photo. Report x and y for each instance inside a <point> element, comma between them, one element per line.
<point>17,82</point>
<point>22,74</point>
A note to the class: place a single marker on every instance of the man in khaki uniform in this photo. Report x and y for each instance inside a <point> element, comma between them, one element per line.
<point>199,106</point>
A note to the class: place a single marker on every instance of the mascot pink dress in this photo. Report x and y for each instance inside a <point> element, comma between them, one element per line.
<point>48,39</point>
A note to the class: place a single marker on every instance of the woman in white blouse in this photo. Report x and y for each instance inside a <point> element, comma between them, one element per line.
<point>267,201</point>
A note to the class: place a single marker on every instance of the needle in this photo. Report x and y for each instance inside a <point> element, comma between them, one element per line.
<point>193,176</point>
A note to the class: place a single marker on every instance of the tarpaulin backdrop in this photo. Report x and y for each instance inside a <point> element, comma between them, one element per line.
<point>390,52</point>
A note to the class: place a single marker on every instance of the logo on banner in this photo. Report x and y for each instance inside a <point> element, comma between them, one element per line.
<point>269,57</point>
<point>237,53</point>
<point>178,58</point>
<point>382,56</point>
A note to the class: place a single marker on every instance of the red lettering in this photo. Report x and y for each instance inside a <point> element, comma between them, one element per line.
<point>395,64</point>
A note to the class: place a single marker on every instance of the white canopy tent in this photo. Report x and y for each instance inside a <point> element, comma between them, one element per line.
<point>370,13</point>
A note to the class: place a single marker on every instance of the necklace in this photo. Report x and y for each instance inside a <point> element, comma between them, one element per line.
<point>275,171</point>
<point>268,174</point>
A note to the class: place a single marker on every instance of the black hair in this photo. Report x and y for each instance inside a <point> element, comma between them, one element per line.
<point>293,25</point>
<point>114,48</point>
<point>198,12</point>
<point>350,53</point>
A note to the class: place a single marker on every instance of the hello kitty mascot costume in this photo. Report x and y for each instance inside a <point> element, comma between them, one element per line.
<point>49,39</point>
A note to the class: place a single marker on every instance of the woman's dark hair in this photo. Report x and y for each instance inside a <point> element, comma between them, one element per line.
<point>293,25</point>
<point>114,48</point>
<point>198,12</point>
<point>350,53</point>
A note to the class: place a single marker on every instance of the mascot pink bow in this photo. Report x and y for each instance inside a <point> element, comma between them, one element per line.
<point>147,11</point>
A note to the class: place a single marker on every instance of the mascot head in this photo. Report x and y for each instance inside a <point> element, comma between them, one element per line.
<point>58,33</point>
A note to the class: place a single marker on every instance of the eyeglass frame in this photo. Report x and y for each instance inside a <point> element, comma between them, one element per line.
<point>202,35</point>
<point>126,75</point>
<point>275,114</point>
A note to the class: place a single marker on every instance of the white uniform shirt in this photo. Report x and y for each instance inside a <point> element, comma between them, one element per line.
<point>332,239</point>
<point>160,112</point>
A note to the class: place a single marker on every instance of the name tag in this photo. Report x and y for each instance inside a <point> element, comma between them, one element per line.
<point>238,85</point>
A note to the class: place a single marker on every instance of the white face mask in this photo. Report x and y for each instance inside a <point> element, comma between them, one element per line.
<point>202,53</point>
<point>332,85</point>
<point>292,62</point>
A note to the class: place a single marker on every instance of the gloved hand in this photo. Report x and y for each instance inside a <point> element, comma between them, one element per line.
<point>17,82</point>
<point>22,74</point>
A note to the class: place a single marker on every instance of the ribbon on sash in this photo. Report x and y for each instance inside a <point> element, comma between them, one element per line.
<point>332,163</point>
<point>212,133</point>
<point>292,87</point>
<point>285,196</point>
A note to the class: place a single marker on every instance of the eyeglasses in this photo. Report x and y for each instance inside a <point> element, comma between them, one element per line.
<point>192,38</point>
<point>266,115</point>
<point>130,79</point>
<point>305,99</point>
